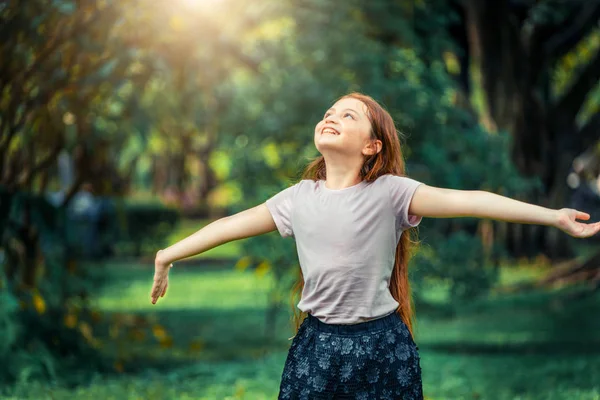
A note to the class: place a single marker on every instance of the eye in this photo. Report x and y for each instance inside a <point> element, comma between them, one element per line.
<point>351,116</point>
<point>327,114</point>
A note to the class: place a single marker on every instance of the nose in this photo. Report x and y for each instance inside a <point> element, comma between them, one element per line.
<point>331,118</point>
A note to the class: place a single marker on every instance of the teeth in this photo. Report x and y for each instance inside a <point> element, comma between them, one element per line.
<point>330,131</point>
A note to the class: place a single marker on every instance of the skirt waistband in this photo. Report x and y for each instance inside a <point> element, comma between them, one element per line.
<point>387,321</point>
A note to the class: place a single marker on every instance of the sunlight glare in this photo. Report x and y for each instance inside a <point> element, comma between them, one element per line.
<point>196,3</point>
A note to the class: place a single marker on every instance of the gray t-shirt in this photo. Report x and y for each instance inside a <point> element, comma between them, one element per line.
<point>346,241</point>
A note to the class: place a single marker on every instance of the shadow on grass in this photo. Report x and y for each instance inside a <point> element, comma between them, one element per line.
<point>166,340</point>
<point>529,348</point>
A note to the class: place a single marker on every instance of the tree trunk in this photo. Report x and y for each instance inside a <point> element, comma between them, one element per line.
<point>209,179</point>
<point>516,55</point>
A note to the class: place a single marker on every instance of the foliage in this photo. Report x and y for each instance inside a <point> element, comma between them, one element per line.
<point>68,78</point>
<point>457,260</point>
<point>66,94</point>
<point>545,98</point>
<point>61,68</point>
<point>155,94</point>
<point>269,87</point>
<point>141,228</point>
<point>386,51</point>
<point>47,324</point>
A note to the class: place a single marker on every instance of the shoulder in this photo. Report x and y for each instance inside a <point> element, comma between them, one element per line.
<point>387,180</point>
<point>397,185</point>
<point>391,177</point>
<point>306,185</point>
<point>395,180</point>
<point>300,187</point>
<point>300,184</point>
<point>305,182</point>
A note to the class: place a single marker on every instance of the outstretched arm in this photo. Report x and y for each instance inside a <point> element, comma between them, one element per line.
<point>429,201</point>
<point>252,222</point>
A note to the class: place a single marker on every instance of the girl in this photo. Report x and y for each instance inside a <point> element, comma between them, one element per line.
<point>351,216</point>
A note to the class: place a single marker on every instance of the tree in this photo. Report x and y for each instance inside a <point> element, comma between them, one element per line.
<point>73,83</point>
<point>54,91</point>
<point>65,64</point>
<point>517,47</point>
<point>184,100</point>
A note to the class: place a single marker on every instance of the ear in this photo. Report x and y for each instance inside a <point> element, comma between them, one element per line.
<point>373,147</point>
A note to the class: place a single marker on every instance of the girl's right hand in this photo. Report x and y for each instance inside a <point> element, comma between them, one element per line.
<point>567,222</point>
<point>161,279</point>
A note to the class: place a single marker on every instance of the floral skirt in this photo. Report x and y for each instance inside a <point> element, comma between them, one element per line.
<point>377,359</point>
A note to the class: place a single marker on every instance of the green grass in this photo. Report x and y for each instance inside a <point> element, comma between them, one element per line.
<point>190,288</point>
<point>527,346</point>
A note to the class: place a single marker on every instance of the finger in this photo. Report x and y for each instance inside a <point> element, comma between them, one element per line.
<point>591,229</point>
<point>582,215</point>
<point>155,287</point>
<point>152,293</point>
<point>165,290</point>
<point>155,291</point>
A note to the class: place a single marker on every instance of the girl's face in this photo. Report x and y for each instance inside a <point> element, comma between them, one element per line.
<point>344,129</point>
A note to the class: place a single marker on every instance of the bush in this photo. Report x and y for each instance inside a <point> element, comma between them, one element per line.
<point>143,228</point>
<point>460,261</point>
<point>46,323</point>
<point>119,228</point>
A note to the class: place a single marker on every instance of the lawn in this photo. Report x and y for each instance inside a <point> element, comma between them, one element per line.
<point>205,340</point>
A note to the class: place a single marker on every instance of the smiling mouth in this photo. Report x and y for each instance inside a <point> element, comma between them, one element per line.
<point>329,131</point>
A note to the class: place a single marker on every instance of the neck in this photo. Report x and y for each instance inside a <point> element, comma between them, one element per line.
<point>341,174</point>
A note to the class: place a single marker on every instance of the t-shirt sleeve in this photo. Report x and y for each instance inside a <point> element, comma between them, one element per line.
<point>402,190</point>
<point>281,207</point>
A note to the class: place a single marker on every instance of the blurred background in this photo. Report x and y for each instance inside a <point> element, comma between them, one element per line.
<point>127,125</point>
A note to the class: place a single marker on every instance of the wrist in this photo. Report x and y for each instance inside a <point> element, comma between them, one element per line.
<point>161,260</point>
<point>558,219</point>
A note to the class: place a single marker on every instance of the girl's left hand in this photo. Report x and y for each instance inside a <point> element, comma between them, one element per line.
<point>567,222</point>
<point>161,279</point>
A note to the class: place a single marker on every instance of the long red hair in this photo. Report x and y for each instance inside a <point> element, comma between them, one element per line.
<point>388,161</point>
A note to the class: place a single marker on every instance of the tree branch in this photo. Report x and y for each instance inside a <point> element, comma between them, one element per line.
<point>42,165</point>
<point>63,37</point>
<point>8,31</point>
<point>571,101</point>
<point>567,37</point>
<point>13,164</point>
<point>5,142</point>
<point>31,104</point>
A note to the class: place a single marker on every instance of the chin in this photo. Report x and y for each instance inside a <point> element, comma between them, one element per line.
<point>331,151</point>
<point>325,144</point>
